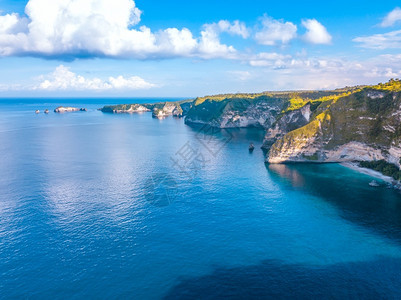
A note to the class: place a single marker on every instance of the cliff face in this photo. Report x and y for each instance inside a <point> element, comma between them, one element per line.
<point>133,108</point>
<point>264,110</point>
<point>287,122</point>
<point>362,126</point>
<point>229,113</point>
<point>159,110</point>
<point>127,108</point>
<point>361,123</point>
<point>168,109</point>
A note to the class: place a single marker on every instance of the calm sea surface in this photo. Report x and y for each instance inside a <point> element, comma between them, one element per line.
<point>97,205</point>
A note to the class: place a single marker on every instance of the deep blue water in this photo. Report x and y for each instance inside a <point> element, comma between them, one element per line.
<point>125,206</point>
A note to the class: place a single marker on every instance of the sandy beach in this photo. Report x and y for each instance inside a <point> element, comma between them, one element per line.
<point>370,172</point>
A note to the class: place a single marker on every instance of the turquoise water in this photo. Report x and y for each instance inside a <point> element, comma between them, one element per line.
<point>125,206</point>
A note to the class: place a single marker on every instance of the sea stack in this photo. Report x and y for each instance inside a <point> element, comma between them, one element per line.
<point>251,147</point>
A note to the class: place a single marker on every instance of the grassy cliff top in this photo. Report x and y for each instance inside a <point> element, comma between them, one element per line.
<point>158,105</point>
<point>303,96</point>
<point>394,85</point>
<point>366,114</point>
<point>296,99</point>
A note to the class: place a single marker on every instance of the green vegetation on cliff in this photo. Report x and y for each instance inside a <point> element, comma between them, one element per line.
<point>297,101</point>
<point>365,121</point>
<point>182,106</point>
<point>305,125</point>
<point>394,85</point>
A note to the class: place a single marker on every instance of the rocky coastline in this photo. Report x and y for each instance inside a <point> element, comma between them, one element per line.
<point>361,123</point>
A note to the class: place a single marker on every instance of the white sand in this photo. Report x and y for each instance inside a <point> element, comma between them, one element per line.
<point>370,172</point>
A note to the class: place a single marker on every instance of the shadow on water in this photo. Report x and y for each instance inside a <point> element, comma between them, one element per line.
<point>274,280</point>
<point>378,209</point>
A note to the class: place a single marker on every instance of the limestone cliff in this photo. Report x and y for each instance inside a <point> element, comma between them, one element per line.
<point>262,110</point>
<point>168,109</point>
<point>241,112</point>
<point>159,110</point>
<point>289,121</point>
<point>362,126</point>
<point>133,108</point>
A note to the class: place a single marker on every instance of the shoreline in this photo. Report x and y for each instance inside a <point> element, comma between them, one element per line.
<point>370,172</point>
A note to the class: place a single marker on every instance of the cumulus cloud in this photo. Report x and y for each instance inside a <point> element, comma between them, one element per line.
<point>316,33</point>
<point>103,28</point>
<point>275,31</point>
<point>381,41</point>
<point>64,79</point>
<point>393,17</point>
<point>303,72</point>
<point>277,61</point>
<point>210,46</point>
<point>269,59</point>
<point>174,42</point>
<point>234,28</point>
<point>12,24</point>
<point>240,75</point>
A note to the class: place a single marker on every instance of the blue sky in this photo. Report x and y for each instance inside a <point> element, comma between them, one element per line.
<point>185,48</point>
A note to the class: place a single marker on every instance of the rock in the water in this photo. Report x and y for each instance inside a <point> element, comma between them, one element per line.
<point>251,147</point>
<point>374,183</point>
<point>62,109</point>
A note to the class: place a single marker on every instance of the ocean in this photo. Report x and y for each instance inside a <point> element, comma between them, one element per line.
<point>96,205</point>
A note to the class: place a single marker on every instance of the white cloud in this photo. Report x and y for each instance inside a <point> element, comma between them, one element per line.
<point>275,31</point>
<point>382,72</point>
<point>12,33</point>
<point>269,59</point>
<point>12,24</point>
<point>240,75</point>
<point>316,32</point>
<point>303,72</point>
<point>381,41</point>
<point>277,61</point>
<point>175,42</point>
<point>77,28</point>
<point>393,17</point>
<point>64,79</point>
<point>234,28</point>
<point>210,46</point>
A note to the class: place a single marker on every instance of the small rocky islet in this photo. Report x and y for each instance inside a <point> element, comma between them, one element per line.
<point>360,123</point>
<point>62,109</point>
